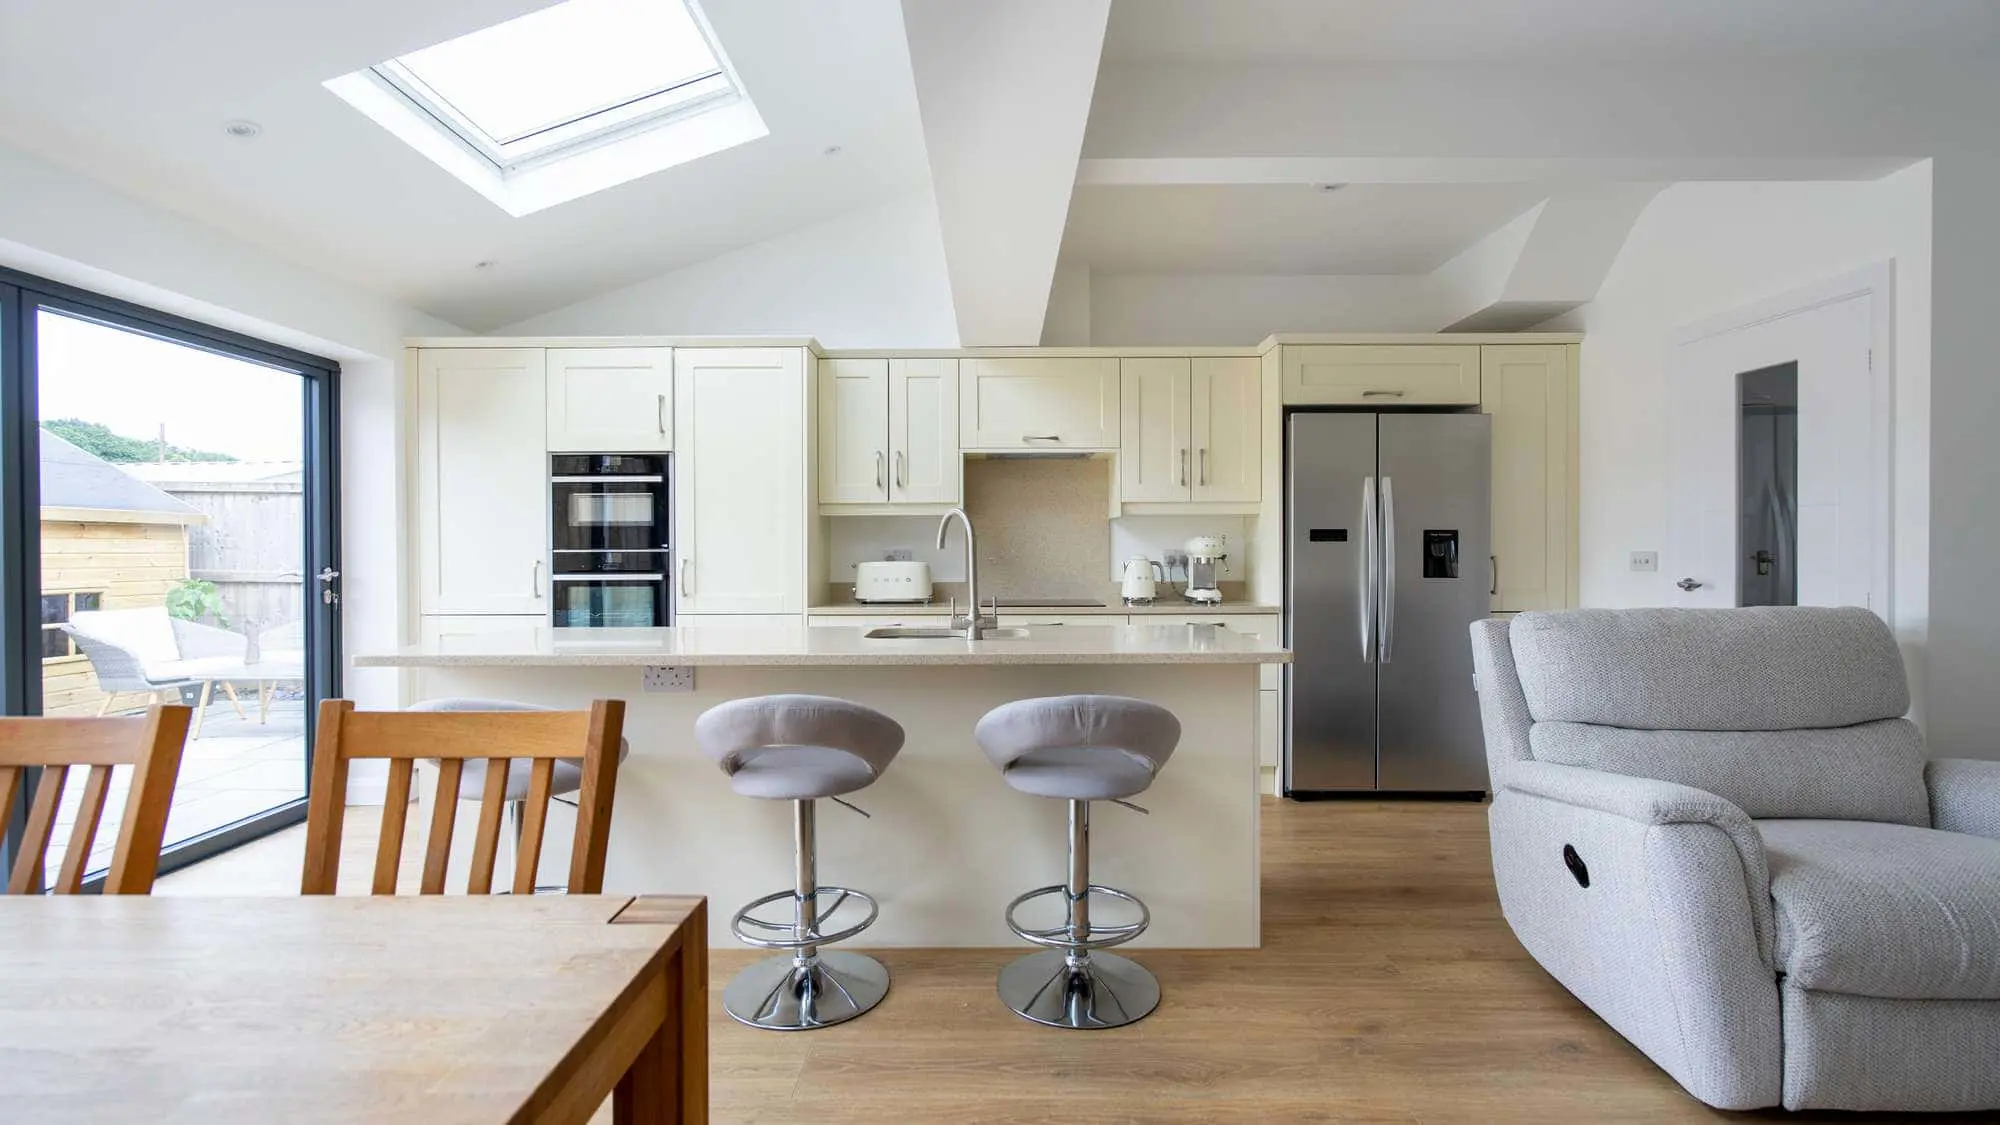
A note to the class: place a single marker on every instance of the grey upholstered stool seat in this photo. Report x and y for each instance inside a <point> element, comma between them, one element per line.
<point>1079,748</point>
<point>800,748</point>
<point>565,778</point>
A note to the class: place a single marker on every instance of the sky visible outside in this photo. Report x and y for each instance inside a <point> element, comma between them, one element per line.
<point>134,384</point>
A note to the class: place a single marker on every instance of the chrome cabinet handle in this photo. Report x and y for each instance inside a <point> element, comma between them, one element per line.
<point>1041,437</point>
<point>535,582</point>
<point>1689,584</point>
<point>902,478</point>
<point>1388,568</point>
<point>1368,570</point>
<point>660,413</point>
<point>1203,478</point>
<point>878,468</point>
<point>684,575</point>
<point>1183,468</point>
<point>1494,561</point>
<point>1383,394</point>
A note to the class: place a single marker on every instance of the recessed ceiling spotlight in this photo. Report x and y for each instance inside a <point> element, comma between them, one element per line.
<point>830,150</point>
<point>241,129</point>
<point>485,265</point>
<point>1328,187</point>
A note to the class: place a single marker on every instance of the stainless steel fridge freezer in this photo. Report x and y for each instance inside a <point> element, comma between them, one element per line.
<point>1387,565</point>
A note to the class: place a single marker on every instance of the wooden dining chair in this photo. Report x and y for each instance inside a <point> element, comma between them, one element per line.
<point>151,744</point>
<point>453,738</point>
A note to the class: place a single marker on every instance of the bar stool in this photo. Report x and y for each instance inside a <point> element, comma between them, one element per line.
<point>566,778</point>
<point>800,748</point>
<point>1079,748</point>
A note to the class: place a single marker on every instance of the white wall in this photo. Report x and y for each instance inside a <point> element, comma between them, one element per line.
<point>870,279</point>
<point>1223,310</point>
<point>71,229</point>
<point>1701,250</point>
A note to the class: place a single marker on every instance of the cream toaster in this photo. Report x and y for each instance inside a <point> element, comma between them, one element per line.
<point>892,582</point>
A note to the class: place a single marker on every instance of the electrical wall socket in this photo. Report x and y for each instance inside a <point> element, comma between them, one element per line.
<point>656,678</point>
<point>899,554</point>
<point>1645,561</point>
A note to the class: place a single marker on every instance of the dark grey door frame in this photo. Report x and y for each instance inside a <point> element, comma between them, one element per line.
<point>22,296</point>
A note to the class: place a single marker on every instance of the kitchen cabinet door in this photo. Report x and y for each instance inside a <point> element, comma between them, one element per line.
<point>611,400</point>
<point>925,466</point>
<point>854,431</point>
<point>483,481</point>
<point>1381,374</point>
<point>1228,429</point>
<point>739,480</point>
<point>1530,391</point>
<point>1039,403</point>
<point>1155,430</point>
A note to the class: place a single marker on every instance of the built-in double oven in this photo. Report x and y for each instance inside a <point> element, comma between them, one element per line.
<point>612,531</point>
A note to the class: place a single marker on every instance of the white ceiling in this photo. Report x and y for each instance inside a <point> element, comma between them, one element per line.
<point>1286,228</point>
<point>1548,31</point>
<point>135,92</point>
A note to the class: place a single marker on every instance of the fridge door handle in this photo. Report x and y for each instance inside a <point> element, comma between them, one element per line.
<point>1388,594</point>
<point>1368,575</point>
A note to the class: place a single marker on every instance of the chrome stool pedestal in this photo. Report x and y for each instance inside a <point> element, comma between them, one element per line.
<point>808,987</point>
<point>1072,984</point>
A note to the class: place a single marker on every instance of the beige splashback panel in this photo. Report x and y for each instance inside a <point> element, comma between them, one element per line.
<point>1042,526</point>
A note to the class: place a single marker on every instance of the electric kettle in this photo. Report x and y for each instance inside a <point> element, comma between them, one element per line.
<point>1140,588</point>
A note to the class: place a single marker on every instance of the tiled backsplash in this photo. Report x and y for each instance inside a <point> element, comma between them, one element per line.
<point>1043,532</point>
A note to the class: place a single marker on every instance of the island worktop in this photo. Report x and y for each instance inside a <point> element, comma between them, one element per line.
<point>758,646</point>
<point>949,843</point>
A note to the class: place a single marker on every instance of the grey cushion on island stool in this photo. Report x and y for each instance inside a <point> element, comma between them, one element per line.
<point>798,747</point>
<point>1079,747</point>
<point>566,778</point>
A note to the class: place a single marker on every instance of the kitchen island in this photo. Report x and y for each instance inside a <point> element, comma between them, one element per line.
<point>948,843</point>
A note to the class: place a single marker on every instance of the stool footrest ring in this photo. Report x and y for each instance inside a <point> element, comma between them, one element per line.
<point>742,921</point>
<point>1098,937</point>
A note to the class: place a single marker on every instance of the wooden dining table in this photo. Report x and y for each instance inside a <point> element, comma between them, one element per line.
<point>425,1010</point>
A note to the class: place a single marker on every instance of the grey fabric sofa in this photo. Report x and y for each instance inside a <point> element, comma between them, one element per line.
<point>1718,830</point>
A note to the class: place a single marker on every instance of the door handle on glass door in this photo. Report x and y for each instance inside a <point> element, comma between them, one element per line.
<point>1388,569</point>
<point>1368,575</point>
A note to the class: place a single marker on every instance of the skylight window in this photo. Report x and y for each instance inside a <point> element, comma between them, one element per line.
<point>613,89</point>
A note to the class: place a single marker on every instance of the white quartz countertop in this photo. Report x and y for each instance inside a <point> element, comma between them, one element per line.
<point>1163,608</point>
<point>832,646</point>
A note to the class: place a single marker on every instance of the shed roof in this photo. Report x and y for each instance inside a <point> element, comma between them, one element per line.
<point>75,479</point>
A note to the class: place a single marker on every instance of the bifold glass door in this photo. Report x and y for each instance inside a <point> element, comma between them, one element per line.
<point>171,551</point>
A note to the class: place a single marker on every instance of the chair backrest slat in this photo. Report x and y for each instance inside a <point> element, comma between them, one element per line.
<point>151,744</point>
<point>444,816</point>
<point>395,817</point>
<point>486,845</point>
<point>452,738</point>
<point>534,823</point>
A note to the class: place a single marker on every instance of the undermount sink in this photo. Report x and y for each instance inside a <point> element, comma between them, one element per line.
<point>939,632</point>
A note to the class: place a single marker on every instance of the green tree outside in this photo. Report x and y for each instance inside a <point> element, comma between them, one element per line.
<point>97,439</point>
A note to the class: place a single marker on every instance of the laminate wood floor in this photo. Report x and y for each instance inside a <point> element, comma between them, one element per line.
<point>1389,989</point>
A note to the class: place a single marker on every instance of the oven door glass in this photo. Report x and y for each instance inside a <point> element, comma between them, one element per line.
<point>598,603</point>
<point>609,516</point>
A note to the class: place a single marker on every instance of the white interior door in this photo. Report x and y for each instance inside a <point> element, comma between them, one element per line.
<point>1842,455</point>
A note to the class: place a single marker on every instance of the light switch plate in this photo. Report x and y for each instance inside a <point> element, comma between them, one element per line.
<point>1645,561</point>
<point>657,678</point>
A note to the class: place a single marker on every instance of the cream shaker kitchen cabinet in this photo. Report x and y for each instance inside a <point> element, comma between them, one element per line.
<point>854,431</point>
<point>740,444</point>
<point>611,400</point>
<point>888,432</point>
<point>1530,391</point>
<point>482,509</point>
<point>925,466</point>
<point>1049,403</point>
<point>1190,430</point>
<point>1381,374</point>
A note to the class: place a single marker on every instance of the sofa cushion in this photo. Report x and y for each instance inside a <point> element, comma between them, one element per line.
<point>1885,909</point>
<point>1873,771</point>
<point>1710,669</point>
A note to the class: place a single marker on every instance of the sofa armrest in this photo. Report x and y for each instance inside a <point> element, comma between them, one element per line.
<point>1648,801</point>
<point>1965,795</point>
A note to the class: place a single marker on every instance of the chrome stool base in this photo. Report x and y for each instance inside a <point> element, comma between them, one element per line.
<point>799,994</point>
<point>1089,992</point>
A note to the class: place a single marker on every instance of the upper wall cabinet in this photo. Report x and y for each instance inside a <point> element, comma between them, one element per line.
<point>1381,375</point>
<point>1039,403</point>
<point>1190,430</point>
<point>611,400</point>
<point>888,432</point>
<point>482,517</point>
<point>1530,390</point>
<point>740,480</point>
